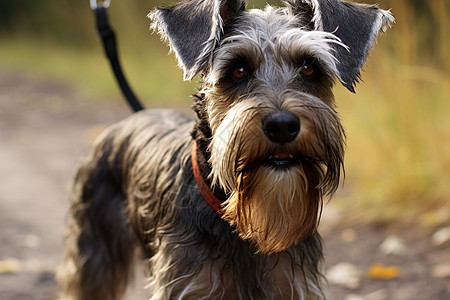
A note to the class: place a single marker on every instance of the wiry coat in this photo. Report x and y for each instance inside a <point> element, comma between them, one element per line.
<point>137,188</point>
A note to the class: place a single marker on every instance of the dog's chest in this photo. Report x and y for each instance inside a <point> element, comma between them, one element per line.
<point>274,277</point>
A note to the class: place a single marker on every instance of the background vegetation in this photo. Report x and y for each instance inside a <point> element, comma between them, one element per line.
<point>398,124</point>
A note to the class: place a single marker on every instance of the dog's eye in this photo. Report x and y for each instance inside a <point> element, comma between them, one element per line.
<point>308,70</point>
<point>239,72</point>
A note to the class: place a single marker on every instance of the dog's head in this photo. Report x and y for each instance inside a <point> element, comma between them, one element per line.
<point>277,142</point>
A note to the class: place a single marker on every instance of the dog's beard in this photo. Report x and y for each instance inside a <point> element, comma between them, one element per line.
<point>272,208</point>
<point>276,206</point>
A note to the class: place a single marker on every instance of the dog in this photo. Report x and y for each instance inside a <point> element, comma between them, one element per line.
<point>225,205</point>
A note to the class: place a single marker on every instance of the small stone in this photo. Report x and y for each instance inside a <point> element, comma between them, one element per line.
<point>344,274</point>
<point>393,245</point>
<point>441,237</point>
<point>441,271</point>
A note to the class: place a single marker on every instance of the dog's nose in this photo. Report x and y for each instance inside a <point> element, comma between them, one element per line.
<point>282,127</point>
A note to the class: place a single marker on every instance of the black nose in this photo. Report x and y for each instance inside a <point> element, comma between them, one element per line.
<point>282,127</point>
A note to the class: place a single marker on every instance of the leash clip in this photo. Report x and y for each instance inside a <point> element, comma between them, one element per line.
<point>98,3</point>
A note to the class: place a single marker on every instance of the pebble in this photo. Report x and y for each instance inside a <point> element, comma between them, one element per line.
<point>344,274</point>
<point>441,271</point>
<point>441,237</point>
<point>393,245</point>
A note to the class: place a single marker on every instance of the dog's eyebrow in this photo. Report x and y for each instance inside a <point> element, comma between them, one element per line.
<point>248,51</point>
<point>250,56</point>
<point>297,43</point>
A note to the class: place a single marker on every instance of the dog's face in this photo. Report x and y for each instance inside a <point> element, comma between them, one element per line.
<point>276,137</point>
<point>277,142</point>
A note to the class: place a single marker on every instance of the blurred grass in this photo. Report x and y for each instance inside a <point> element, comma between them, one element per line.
<point>398,125</point>
<point>71,52</point>
<point>87,71</point>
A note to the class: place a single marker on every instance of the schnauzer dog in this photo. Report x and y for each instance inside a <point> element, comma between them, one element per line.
<point>225,206</point>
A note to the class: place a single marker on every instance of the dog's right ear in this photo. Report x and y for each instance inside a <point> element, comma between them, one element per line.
<point>192,28</point>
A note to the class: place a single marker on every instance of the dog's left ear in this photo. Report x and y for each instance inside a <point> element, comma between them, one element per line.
<point>192,29</point>
<point>357,25</point>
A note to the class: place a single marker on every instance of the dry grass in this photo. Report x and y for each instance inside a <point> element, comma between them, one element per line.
<point>398,158</point>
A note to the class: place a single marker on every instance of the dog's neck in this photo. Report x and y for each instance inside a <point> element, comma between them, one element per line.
<point>204,187</point>
<point>202,135</point>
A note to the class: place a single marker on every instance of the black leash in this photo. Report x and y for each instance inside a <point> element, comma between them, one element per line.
<point>109,44</point>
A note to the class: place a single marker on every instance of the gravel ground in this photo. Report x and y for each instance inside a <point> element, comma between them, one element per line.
<point>45,128</point>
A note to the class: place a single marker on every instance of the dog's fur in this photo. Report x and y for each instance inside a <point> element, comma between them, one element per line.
<point>267,140</point>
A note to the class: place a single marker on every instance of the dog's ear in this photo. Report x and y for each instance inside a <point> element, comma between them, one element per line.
<point>357,25</point>
<point>192,28</point>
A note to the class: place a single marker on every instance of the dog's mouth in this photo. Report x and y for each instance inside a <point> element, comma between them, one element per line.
<point>282,160</point>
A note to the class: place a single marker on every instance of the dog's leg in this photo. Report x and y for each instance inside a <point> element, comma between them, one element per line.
<point>100,246</point>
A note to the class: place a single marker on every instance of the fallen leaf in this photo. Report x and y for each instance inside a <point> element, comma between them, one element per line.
<point>10,265</point>
<point>379,271</point>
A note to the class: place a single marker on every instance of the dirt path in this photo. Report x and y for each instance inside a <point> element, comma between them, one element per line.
<point>45,128</point>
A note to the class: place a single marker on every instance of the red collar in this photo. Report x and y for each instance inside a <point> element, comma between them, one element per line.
<point>202,185</point>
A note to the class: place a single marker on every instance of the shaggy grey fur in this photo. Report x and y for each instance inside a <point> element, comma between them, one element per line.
<point>141,167</point>
<point>137,188</point>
